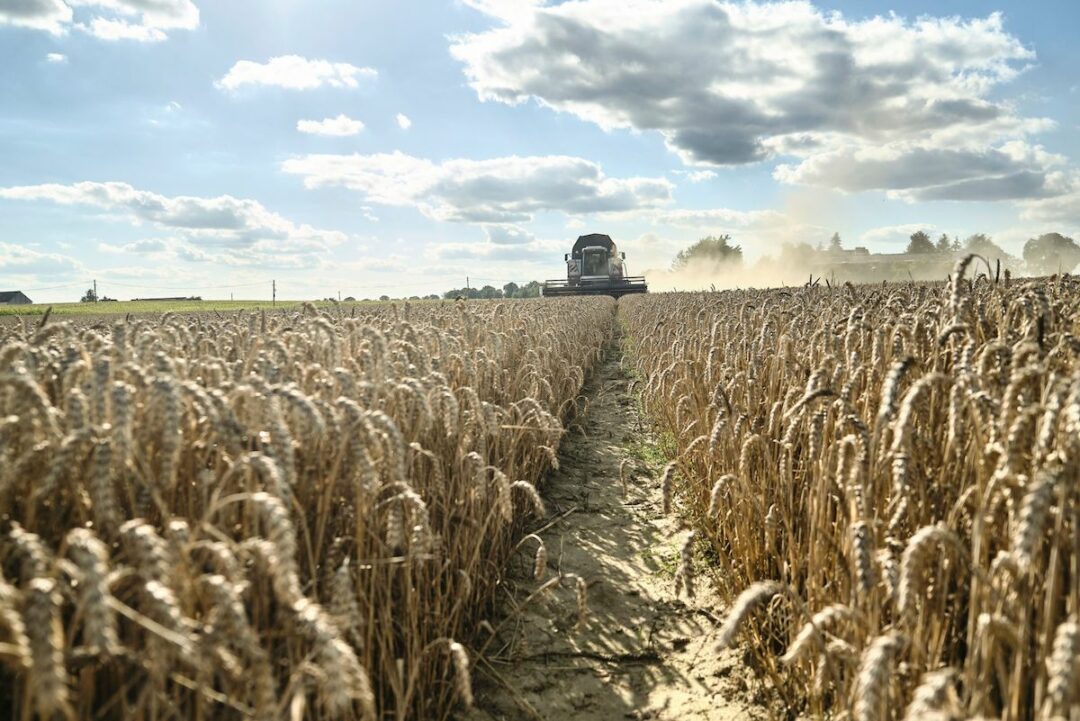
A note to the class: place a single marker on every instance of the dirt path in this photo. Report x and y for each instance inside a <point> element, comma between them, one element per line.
<point>643,653</point>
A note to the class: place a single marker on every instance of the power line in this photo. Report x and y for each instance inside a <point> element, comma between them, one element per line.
<point>57,287</point>
<point>184,287</point>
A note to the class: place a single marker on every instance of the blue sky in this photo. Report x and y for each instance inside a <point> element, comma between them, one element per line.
<point>167,146</point>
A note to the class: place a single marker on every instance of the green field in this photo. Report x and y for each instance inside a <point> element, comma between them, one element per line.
<point>153,306</point>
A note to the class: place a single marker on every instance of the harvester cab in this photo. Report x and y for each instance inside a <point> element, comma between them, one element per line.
<point>595,267</point>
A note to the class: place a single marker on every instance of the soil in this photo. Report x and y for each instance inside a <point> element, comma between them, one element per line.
<point>644,652</point>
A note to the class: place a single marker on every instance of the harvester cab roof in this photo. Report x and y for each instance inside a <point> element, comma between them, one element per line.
<point>594,266</point>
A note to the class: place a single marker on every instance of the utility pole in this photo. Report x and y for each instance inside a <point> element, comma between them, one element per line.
<point>273,291</point>
<point>230,297</point>
<point>467,284</point>
<point>339,296</point>
<point>95,290</point>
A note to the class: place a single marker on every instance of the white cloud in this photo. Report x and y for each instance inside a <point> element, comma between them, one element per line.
<point>508,234</point>
<point>730,83</point>
<point>339,127</point>
<point>52,16</point>
<point>505,9</point>
<point>894,234</point>
<point>1061,211</point>
<point>233,230</point>
<point>56,58</point>
<point>526,248</point>
<point>403,121</point>
<point>163,14</point>
<point>498,190</point>
<point>921,172</point>
<point>140,20</point>
<point>107,29</point>
<point>721,218</point>
<point>146,246</point>
<point>18,260</point>
<point>294,73</point>
<point>696,176</point>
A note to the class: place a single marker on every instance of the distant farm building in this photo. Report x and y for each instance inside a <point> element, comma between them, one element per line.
<point>173,299</point>
<point>14,297</point>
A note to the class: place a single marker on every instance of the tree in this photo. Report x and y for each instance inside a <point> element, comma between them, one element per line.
<point>944,245</point>
<point>1051,253</point>
<point>90,296</point>
<point>982,244</point>
<point>384,298</point>
<point>920,243</point>
<point>530,290</point>
<point>956,246</point>
<point>510,290</point>
<point>834,242</point>
<point>711,249</point>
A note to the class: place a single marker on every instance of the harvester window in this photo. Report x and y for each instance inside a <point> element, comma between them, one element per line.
<point>595,263</point>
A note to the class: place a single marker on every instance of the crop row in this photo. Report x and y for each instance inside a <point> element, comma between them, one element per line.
<point>263,515</point>
<point>884,483</point>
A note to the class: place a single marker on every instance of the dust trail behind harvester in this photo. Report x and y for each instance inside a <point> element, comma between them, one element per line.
<point>796,267</point>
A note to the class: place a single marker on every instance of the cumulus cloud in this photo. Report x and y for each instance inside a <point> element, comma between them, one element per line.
<point>696,176</point>
<point>894,234</point>
<point>52,16</point>
<point>1014,170</point>
<point>56,58</point>
<point>294,72</point>
<point>340,127</point>
<point>499,190</point>
<point>506,9</point>
<point>107,29</point>
<point>1062,210</point>
<point>712,218</point>
<point>237,230</point>
<point>146,246</point>
<point>18,260</point>
<point>403,121</point>
<point>523,248</point>
<point>163,14</point>
<point>508,234</point>
<point>733,83</point>
<point>140,20</point>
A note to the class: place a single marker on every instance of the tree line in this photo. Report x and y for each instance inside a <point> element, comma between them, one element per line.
<point>1045,254</point>
<point>510,290</point>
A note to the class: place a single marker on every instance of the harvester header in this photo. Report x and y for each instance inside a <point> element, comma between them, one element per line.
<point>595,267</point>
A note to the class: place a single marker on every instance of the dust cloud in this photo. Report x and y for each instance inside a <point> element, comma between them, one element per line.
<point>799,264</point>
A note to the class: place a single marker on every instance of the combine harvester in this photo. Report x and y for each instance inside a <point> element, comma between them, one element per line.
<point>595,267</point>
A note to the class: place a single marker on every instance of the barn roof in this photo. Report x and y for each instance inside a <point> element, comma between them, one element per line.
<point>6,295</point>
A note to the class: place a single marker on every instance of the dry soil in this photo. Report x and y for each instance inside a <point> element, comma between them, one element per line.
<point>643,653</point>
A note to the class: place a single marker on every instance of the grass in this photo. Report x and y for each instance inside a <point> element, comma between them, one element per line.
<point>650,453</point>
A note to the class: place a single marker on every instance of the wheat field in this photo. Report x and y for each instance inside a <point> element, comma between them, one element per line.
<point>296,515</point>
<point>883,484</point>
<point>307,514</point>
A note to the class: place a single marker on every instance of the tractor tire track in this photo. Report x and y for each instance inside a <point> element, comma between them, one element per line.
<point>643,652</point>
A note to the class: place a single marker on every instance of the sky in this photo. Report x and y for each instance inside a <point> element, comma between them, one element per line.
<point>363,147</point>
